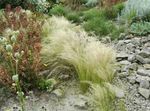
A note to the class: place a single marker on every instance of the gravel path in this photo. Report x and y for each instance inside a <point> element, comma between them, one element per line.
<point>134,71</point>
<point>66,98</point>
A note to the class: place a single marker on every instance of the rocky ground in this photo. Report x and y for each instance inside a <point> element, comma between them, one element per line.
<point>67,97</point>
<point>133,76</point>
<point>134,71</point>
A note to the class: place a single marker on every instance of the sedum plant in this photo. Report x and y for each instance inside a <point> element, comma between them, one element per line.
<point>136,8</point>
<point>140,28</point>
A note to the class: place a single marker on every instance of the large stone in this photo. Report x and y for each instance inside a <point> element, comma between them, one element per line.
<point>145,53</point>
<point>124,62</point>
<point>133,66</point>
<point>143,72</point>
<point>146,66</point>
<point>58,92</point>
<point>140,59</point>
<point>81,104</point>
<point>144,92</point>
<point>119,92</point>
<point>122,56</point>
<point>131,58</point>
<point>144,84</point>
<point>131,47</point>
<point>147,60</point>
<point>132,79</point>
<point>136,41</point>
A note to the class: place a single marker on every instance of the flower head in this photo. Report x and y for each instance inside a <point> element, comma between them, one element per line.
<point>9,48</point>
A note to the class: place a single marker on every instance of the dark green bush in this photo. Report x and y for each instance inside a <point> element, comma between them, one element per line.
<point>99,26</point>
<point>74,17</point>
<point>116,32</point>
<point>102,27</point>
<point>59,10</point>
<point>119,7</point>
<point>92,13</point>
<point>112,12</point>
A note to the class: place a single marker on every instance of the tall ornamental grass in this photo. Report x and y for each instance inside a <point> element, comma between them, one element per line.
<point>93,61</point>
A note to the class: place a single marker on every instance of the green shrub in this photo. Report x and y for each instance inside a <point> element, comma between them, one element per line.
<point>140,28</point>
<point>119,7</point>
<point>92,13</point>
<point>74,17</point>
<point>116,32</point>
<point>112,12</point>
<point>46,84</point>
<point>99,26</point>
<point>59,10</point>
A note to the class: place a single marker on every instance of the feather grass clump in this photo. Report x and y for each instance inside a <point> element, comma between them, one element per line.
<point>103,97</point>
<point>93,61</point>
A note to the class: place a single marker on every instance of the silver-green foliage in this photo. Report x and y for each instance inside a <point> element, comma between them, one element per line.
<point>91,3</point>
<point>140,7</point>
<point>141,28</point>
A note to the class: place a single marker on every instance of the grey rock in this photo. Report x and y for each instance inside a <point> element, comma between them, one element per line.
<point>146,66</point>
<point>129,36</point>
<point>80,104</point>
<point>127,41</point>
<point>122,56</point>
<point>143,72</point>
<point>131,58</point>
<point>124,62</point>
<point>131,47</point>
<point>133,66</point>
<point>147,60</point>
<point>136,41</point>
<point>140,59</point>
<point>144,84</point>
<point>123,74</point>
<point>145,53</point>
<point>119,92</point>
<point>58,92</point>
<point>132,79</point>
<point>145,39</point>
<point>144,92</point>
<point>137,51</point>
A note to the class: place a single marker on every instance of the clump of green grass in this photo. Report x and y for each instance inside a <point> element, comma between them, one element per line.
<point>102,97</point>
<point>73,17</point>
<point>92,13</point>
<point>59,10</point>
<point>99,26</point>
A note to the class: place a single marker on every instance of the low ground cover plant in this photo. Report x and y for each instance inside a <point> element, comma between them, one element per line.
<point>140,28</point>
